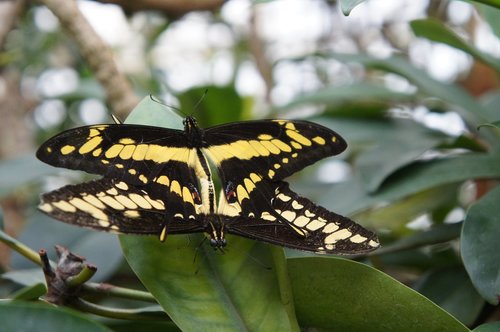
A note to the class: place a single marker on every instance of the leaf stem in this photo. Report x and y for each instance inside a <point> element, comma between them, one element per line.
<point>117,313</point>
<point>121,292</point>
<point>20,248</point>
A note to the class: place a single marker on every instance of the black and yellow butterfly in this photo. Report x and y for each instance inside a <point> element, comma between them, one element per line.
<point>158,181</point>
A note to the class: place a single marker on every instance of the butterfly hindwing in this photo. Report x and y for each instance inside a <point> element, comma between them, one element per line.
<point>114,206</point>
<point>295,222</point>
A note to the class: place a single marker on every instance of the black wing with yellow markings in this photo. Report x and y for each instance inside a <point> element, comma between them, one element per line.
<point>114,206</point>
<point>295,222</point>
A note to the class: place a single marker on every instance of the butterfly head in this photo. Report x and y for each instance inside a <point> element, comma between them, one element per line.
<point>193,131</point>
<point>216,233</point>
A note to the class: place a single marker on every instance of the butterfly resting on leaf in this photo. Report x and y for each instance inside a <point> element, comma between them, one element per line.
<point>158,181</point>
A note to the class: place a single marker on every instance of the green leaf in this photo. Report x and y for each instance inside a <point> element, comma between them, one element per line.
<point>219,104</point>
<point>25,277</point>
<point>26,316</point>
<point>340,295</point>
<point>489,327</point>
<point>495,124</point>
<point>491,16</point>
<point>452,290</point>
<point>348,5</point>
<point>438,32</point>
<point>492,3</point>
<point>450,93</point>
<point>355,93</point>
<point>350,196</point>
<point>199,287</point>
<point>20,171</point>
<point>480,247</point>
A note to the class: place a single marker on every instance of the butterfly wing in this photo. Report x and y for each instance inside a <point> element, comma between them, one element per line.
<point>295,222</point>
<point>115,206</point>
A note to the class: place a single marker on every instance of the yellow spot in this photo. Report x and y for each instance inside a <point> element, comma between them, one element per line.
<point>281,145</point>
<point>271,147</point>
<point>94,201</point>
<point>250,186</point>
<point>64,206</point>
<point>267,216</point>
<point>46,207</point>
<point>186,195</point>
<point>176,188</point>
<point>178,215</point>
<point>67,149</point>
<point>163,179</point>
<point>290,125</point>
<point>157,204</point>
<point>277,166</point>
<point>125,201</point>
<point>334,139</point>
<point>97,152</point>
<point>374,244</point>
<point>339,235</point>
<point>93,132</point>
<point>301,221</point>
<point>255,177</point>
<point>104,161</point>
<point>131,214</point>
<point>265,137</point>
<point>141,201</point>
<point>49,149</point>
<point>112,191</point>
<point>104,223</point>
<point>241,193</point>
<point>319,140</point>
<point>90,145</point>
<point>132,171</point>
<point>126,141</point>
<point>113,203</point>
<point>285,160</point>
<point>298,137</point>
<point>143,178</point>
<point>284,197</point>
<point>314,225</point>
<point>140,152</point>
<point>357,239</point>
<point>261,150</point>
<point>113,151</point>
<point>297,206</point>
<point>119,165</point>
<point>294,155</point>
<point>101,127</point>
<point>127,152</point>
<point>89,208</point>
<point>163,234</point>
<point>296,145</point>
<point>271,173</point>
<point>121,185</point>
<point>289,215</point>
<point>330,228</point>
<point>281,122</point>
<point>309,214</point>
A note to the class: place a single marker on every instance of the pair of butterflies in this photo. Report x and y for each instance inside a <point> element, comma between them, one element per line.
<point>158,181</point>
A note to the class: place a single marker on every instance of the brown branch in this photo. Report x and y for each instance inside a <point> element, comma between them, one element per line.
<point>173,8</point>
<point>9,13</point>
<point>98,55</point>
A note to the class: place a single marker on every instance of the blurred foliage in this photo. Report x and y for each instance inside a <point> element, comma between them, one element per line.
<point>430,194</point>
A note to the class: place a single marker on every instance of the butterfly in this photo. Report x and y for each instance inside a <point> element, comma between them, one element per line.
<point>158,181</point>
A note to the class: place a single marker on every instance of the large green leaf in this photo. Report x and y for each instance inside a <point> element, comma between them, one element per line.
<point>452,290</point>
<point>348,5</point>
<point>452,94</point>
<point>27,316</point>
<point>350,196</point>
<point>438,32</point>
<point>335,294</point>
<point>480,247</point>
<point>198,287</point>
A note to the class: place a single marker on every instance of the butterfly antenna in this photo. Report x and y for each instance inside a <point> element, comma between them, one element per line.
<point>116,119</point>
<point>177,109</point>
<point>198,247</point>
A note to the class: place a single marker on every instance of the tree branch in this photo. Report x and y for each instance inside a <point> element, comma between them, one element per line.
<point>98,55</point>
